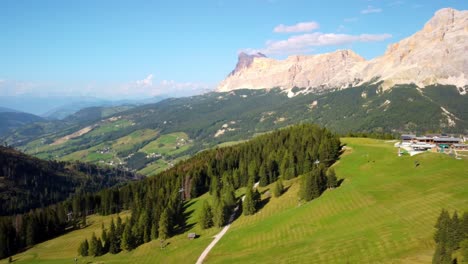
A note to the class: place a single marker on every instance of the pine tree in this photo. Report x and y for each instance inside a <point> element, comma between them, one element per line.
<point>220,214</point>
<point>83,249</point>
<point>127,242</point>
<point>114,246</point>
<point>442,227</point>
<point>248,205</point>
<point>163,229</point>
<point>99,247</point>
<point>93,246</point>
<point>228,195</point>
<point>262,173</point>
<point>305,192</point>
<point>278,188</point>
<point>332,181</point>
<point>205,217</point>
<point>105,240</point>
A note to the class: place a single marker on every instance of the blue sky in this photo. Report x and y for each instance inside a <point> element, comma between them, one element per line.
<point>133,49</point>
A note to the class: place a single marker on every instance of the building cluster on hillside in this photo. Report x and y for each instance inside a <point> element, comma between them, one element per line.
<point>432,142</point>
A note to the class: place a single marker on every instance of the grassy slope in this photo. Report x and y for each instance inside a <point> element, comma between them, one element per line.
<point>166,144</point>
<point>180,250</point>
<point>383,212</point>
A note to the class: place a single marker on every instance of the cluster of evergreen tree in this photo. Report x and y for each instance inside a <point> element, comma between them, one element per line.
<point>315,182</point>
<point>21,231</point>
<point>157,203</point>
<point>30,183</point>
<point>451,235</point>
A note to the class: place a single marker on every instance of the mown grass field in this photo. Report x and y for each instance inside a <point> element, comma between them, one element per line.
<point>383,212</point>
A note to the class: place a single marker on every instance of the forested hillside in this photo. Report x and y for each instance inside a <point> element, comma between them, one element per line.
<point>209,119</point>
<point>157,203</point>
<point>27,182</point>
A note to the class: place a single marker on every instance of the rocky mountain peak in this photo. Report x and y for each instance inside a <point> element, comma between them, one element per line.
<point>244,60</point>
<point>434,55</point>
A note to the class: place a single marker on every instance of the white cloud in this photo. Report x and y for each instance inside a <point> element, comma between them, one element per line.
<point>305,42</point>
<point>299,27</point>
<point>148,81</point>
<point>370,9</point>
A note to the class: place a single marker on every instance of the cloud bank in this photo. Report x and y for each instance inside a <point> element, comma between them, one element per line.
<point>306,42</point>
<point>299,27</point>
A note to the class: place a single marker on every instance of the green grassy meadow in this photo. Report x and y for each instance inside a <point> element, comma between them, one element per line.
<point>383,212</point>
<point>167,144</point>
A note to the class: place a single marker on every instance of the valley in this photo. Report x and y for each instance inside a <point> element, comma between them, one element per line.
<point>385,205</point>
<point>127,135</point>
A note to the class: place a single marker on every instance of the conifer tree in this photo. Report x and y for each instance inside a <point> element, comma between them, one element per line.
<point>93,246</point>
<point>83,249</point>
<point>127,242</point>
<point>114,246</point>
<point>163,229</point>
<point>205,217</point>
<point>99,247</point>
<point>105,240</point>
<point>248,205</point>
<point>262,174</point>
<point>278,188</point>
<point>219,213</point>
<point>332,181</point>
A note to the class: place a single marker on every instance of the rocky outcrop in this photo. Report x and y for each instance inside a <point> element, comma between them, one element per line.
<point>434,55</point>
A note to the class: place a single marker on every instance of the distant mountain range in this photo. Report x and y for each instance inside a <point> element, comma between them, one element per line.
<point>434,55</point>
<point>419,85</point>
<point>59,107</point>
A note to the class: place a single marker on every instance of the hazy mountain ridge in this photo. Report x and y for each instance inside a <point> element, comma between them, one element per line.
<point>434,55</point>
<point>214,118</point>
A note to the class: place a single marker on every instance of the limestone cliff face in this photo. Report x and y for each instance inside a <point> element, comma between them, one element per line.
<point>326,70</point>
<point>435,55</point>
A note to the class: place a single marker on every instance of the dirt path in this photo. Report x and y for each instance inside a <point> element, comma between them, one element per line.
<point>223,231</point>
<point>217,237</point>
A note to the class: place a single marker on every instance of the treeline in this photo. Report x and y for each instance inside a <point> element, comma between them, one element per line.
<point>376,135</point>
<point>29,182</point>
<point>451,235</point>
<point>25,230</point>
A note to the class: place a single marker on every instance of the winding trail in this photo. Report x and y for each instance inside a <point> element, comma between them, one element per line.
<point>221,234</point>
<point>217,237</point>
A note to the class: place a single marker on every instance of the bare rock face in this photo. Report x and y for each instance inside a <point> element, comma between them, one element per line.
<point>327,70</point>
<point>435,55</point>
<point>244,61</point>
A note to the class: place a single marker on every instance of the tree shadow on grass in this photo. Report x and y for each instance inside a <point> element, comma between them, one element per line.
<point>180,229</point>
<point>339,182</point>
<point>262,204</point>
